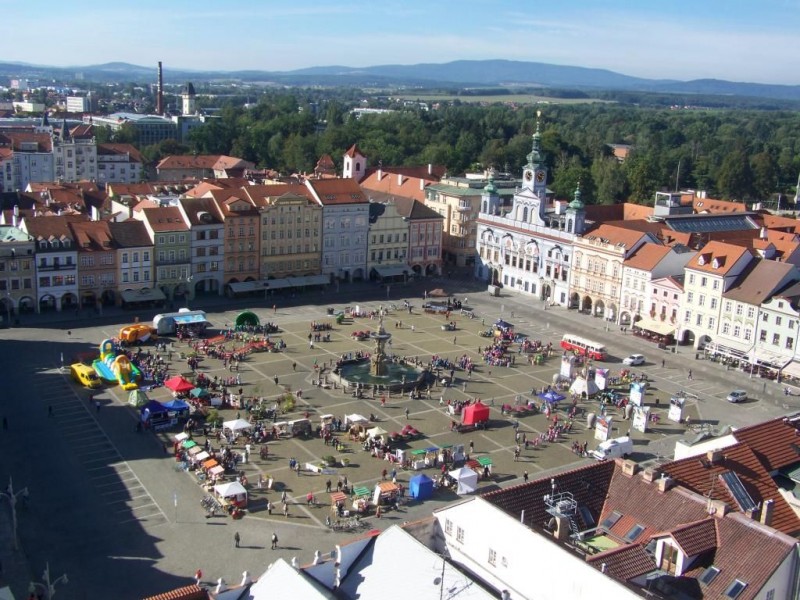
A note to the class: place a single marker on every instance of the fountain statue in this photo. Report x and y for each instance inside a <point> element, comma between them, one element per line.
<point>378,366</point>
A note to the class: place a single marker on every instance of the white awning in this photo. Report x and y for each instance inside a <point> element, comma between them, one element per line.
<point>392,270</point>
<point>143,295</point>
<point>659,327</point>
<point>226,490</point>
<point>767,358</point>
<point>792,369</point>
<point>277,284</point>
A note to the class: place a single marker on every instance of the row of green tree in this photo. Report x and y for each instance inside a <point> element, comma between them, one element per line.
<point>735,154</point>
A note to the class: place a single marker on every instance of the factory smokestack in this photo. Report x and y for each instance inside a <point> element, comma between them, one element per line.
<point>160,91</point>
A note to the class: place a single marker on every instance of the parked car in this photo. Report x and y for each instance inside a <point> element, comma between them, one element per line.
<point>737,396</point>
<point>633,360</point>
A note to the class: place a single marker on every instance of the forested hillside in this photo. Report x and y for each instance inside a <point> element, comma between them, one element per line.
<point>744,155</point>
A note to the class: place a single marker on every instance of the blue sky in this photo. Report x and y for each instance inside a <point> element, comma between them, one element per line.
<point>738,40</point>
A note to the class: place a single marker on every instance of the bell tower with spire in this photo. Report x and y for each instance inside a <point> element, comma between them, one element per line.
<point>576,213</point>
<point>534,173</point>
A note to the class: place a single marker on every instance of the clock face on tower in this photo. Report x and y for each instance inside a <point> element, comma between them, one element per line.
<point>528,175</point>
<point>540,176</point>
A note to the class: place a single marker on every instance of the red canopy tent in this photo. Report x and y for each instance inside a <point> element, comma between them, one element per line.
<point>178,384</point>
<point>475,413</point>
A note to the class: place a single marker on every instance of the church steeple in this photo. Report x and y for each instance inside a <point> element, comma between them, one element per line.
<point>64,131</point>
<point>576,215</point>
<point>490,199</point>
<point>534,174</point>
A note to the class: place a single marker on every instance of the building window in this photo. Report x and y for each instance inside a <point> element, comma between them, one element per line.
<point>460,534</point>
<point>736,331</point>
<point>789,343</point>
<point>748,333</point>
<point>762,336</point>
<point>713,303</point>
<point>776,339</point>
<point>778,321</point>
<point>726,328</point>
<point>703,281</point>
<point>689,297</point>
<point>751,312</point>
<point>492,557</point>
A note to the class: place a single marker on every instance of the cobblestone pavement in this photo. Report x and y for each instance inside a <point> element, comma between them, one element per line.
<point>109,507</point>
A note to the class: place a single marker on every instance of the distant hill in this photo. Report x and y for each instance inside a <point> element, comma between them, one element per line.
<point>461,73</point>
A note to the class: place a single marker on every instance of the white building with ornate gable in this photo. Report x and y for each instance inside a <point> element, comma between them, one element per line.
<point>529,248</point>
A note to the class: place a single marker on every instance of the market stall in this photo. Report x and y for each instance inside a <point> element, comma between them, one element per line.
<point>355,419</point>
<point>177,408</point>
<point>376,432</point>
<point>155,415</point>
<point>231,493</point>
<point>583,387</point>
<point>385,493</point>
<point>236,426</point>
<point>466,480</point>
<point>420,487</point>
<point>179,385</point>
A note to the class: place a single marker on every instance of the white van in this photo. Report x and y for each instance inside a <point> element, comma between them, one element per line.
<point>617,448</point>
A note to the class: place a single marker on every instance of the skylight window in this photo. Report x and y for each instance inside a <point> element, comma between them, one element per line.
<point>736,588</point>
<point>633,533</point>
<point>610,520</point>
<point>709,575</point>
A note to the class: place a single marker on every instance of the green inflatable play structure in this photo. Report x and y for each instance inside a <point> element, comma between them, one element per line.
<point>247,319</point>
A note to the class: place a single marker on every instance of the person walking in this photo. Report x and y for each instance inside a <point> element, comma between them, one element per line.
<point>283,496</point>
<point>471,447</point>
<point>198,577</point>
<point>237,538</point>
<point>294,368</point>
<point>407,413</point>
<point>274,540</point>
<point>525,476</point>
<point>689,376</point>
<point>269,507</point>
<point>663,362</point>
<point>286,510</point>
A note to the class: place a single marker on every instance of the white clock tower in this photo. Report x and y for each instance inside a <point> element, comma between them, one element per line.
<point>534,173</point>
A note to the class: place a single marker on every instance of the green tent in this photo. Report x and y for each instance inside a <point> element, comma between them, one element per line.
<point>137,398</point>
<point>247,319</point>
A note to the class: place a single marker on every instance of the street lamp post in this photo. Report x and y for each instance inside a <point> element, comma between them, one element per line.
<point>188,287</point>
<point>48,586</point>
<point>11,496</point>
<point>9,304</point>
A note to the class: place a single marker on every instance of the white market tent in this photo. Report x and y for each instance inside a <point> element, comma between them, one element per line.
<point>581,385</point>
<point>355,419</point>
<point>227,490</point>
<point>467,480</point>
<point>236,425</point>
<point>375,432</point>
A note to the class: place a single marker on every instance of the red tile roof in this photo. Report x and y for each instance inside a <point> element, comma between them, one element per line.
<point>695,538</point>
<point>119,149</point>
<point>352,151</point>
<point>698,474</point>
<point>165,218</point>
<point>614,235</point>
<point>717,258</point>
<point>337,191</point>
<point>647,257</point>
<point>776,442</point>
<point>711,205</point>
<point>624,562</point>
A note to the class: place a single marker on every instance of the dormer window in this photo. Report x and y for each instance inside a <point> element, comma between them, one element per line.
<point>43,245</point>
<point>715,263</point>
<point>703,259</point>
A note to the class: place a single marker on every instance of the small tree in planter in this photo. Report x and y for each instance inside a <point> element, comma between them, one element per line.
<point>289,403</point>
<point>328,461</point>
<point>213,417</point>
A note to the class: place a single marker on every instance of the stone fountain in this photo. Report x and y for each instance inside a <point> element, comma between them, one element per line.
<point>378,366</point>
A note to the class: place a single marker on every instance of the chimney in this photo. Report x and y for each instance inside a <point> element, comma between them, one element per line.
<point>649,474</point>
<point>763,233</point>
<point>95,213</point>
<point>399,179</point>
<point>421,184</point>
<point>664,483</point>
<point>430,168</point>
<point>629,468</point>
<point>380,173</point>
<point>160,91</point>
<point>221,587</point>
<point>317,557</point>
<point>562,529</point>
<point>767,508</point>
<point>714,456</point>
<point>718,508</point>
<point>246,578</point>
